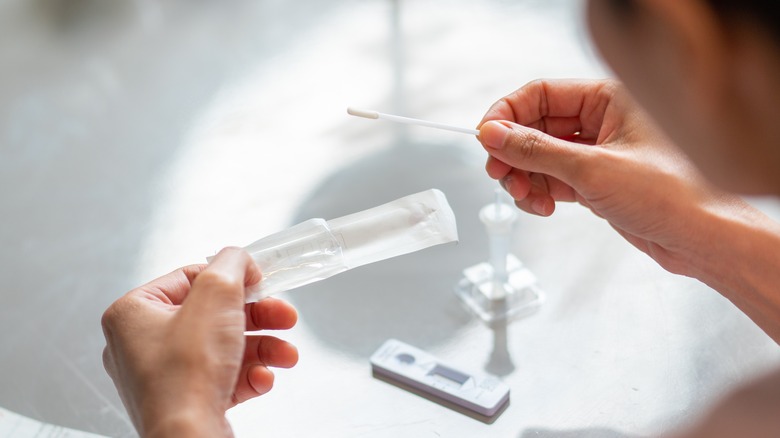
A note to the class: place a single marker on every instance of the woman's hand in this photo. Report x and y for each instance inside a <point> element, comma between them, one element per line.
<point>587,141</point>
<point>176,348</point>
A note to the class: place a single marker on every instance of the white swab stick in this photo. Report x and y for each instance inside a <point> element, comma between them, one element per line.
<point>370,114</point>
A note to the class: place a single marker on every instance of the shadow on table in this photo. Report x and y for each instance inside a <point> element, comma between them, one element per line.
<point>596,432</point>
<point>499,362</point>
<point>410,297</point>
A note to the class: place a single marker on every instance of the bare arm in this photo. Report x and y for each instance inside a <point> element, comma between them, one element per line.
<point>588,142</point>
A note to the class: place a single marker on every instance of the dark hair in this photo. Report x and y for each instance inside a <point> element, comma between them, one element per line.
<point>765,13</point>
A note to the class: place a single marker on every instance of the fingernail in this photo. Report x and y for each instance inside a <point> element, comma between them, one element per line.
<point>505,182</point>
<point>492,134</point>
<point>539,207</point>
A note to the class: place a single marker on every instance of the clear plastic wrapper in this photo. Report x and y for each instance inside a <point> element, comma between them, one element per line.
<point>317,249</point>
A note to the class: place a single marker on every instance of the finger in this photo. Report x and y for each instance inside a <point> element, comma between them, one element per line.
<point>534,151</point>
<point>192,271</point>
<point>544,192</point>
<point>496,169</point>
<point>538,99</point>
<point>260,378</point>
<point>222,283</point>
<point>561,127</point>
<point>253,380</point>
<point>172,287</point>
<point>239,262</point>
<point>517,183</point>
<point>545,99</point>
<point>539,204</point>
<point>270,314</point>
<point>559,190</point>
<point>539,198</point>
<point>270,351</point>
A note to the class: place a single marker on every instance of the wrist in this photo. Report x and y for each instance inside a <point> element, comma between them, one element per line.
<point>739,256</point>
<point>188,415</point>
<point>187,422</point>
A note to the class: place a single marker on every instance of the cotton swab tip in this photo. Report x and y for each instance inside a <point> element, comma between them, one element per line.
<point>363,113</point>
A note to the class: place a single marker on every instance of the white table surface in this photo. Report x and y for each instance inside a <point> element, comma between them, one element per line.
<point>139,137</point>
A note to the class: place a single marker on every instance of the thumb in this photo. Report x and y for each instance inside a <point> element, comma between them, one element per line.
<point>532,150</point>
<point>221,284</point>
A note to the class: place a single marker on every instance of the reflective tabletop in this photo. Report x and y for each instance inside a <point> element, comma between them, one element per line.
<point>138,137</point>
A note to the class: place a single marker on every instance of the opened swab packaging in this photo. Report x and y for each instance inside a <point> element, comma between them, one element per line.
<point>317,249</point>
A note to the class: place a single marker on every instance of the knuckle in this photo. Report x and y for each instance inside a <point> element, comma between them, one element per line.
<point>231,250</point>
<point>535,84</point>
<point>119,309</point>
<point>114,320</point>
<point>235,251</point>
<point>107,320</point>
<point>218,280</point>
<point>525,144</point>
<point>609,88</point>
<point>113,314</point>
<point>610,84</point>
<point>267,350</point>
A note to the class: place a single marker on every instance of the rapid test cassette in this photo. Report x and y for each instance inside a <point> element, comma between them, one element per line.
<point>480,393</point>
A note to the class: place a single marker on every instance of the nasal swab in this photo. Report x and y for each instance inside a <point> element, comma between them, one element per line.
<point>370,114</point>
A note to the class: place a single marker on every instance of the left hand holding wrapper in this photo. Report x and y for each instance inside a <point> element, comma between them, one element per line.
<point>176,348</point>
